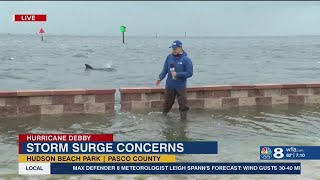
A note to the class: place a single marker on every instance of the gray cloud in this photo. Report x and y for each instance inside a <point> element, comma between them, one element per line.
<point>167,18</point>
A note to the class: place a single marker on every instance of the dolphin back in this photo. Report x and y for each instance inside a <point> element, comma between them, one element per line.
<point>88,66</point>
<point>99,69</point>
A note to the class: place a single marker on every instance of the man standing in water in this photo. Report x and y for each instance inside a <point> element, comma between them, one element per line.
<point>179,67</point>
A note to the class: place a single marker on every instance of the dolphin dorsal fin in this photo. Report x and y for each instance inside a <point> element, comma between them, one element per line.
<point>88,66</point>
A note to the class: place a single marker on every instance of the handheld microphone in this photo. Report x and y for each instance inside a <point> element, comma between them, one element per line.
<point>172,69</point>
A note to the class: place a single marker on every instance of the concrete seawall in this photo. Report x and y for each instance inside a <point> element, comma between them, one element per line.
<point>29,102</point>
<point>224,96</point>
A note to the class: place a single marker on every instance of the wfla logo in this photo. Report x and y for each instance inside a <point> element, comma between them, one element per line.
<point>266,153</point>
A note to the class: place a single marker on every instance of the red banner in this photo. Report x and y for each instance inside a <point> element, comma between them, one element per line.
<point>65,138</point>
<point>30,18</point>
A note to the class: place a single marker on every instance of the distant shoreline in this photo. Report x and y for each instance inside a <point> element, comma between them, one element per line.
<point>161,36</point>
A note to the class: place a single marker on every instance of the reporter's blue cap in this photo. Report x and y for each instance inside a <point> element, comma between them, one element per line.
<point>176,44</point>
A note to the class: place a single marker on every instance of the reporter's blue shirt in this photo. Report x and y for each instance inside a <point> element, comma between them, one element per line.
<point>183,67</point>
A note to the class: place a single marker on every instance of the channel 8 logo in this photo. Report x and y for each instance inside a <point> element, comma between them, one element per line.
<point>278,153</point>
<point>266,153</point>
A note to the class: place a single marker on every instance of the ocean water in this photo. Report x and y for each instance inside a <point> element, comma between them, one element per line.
<point>58,62</point>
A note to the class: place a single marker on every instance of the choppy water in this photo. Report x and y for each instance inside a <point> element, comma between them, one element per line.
<point>59,62</point>
<point>28,63</point>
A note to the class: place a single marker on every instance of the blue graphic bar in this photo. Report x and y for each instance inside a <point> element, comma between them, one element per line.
<point>176,168</point>
<point>289,152</point>
<point>203,147</point>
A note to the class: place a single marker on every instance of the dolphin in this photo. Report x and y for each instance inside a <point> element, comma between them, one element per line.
<point>88,67</point>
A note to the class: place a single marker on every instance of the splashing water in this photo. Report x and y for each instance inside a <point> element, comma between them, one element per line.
<point>108,65</point>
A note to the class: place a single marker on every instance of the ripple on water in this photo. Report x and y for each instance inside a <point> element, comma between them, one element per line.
<point>80,56</point>
<point>11,76</point>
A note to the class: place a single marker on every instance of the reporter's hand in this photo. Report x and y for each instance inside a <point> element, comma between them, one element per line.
<point>158,82</point>
<point>174,74</point>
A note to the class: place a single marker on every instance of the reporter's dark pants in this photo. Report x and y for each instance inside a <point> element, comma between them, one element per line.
<point>169,97</point>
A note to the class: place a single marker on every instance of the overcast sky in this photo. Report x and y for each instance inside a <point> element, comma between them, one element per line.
<point>166,18</point>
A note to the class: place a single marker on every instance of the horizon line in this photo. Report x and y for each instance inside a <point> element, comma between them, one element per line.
<point>159,36</point>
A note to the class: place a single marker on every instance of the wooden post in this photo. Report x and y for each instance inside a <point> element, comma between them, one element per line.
<point>123,37</point>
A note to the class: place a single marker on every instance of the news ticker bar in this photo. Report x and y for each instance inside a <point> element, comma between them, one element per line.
<point>30,17</point>
<point>289,152</point>
<point>128,147</point>
<point>95,158</point>
<point>159,168</point>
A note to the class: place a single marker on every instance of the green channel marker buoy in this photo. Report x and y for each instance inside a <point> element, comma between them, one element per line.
<point>122,29</point>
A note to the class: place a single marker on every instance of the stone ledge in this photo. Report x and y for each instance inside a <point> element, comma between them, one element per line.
<point>56,92</point>
<point>129,90</point>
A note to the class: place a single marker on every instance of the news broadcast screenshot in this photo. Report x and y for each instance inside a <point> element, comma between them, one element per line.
<point>156,90</point>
